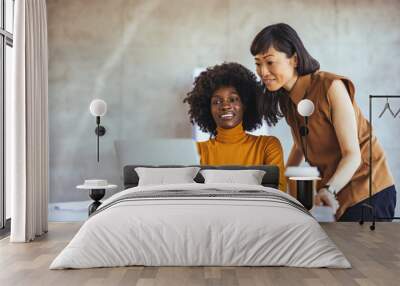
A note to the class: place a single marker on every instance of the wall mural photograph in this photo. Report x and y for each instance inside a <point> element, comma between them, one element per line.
<point>200,142</point>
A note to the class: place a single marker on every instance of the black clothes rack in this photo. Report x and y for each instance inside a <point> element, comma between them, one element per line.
<point>370,205</point>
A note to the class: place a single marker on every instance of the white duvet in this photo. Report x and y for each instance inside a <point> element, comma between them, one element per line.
<point>200,231</point>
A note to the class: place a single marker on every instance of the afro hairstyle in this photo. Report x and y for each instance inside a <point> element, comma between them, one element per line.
<point>224,75</point>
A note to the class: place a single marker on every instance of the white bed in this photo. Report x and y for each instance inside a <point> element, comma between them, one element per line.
<point>250,226</point>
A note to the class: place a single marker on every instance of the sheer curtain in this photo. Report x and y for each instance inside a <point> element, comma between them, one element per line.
<point>27,123</point>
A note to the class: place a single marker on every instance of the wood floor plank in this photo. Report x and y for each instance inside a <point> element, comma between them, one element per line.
<point>212,273</point>
<point>131,276</point>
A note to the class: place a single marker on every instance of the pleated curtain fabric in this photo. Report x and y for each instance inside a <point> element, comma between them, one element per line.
<point>28,123</point>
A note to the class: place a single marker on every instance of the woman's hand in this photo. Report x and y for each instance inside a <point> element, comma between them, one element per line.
<point>326,198</point>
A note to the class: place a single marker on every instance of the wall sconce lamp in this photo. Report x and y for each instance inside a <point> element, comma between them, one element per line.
<point>305,108</point>
<point>304,175</point>
<point>98,108</point>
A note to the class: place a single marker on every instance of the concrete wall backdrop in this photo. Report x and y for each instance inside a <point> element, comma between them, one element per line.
<point>139,56</point>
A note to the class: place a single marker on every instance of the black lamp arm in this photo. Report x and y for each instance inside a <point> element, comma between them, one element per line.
<point>100,131</point>
<point>303,133</point>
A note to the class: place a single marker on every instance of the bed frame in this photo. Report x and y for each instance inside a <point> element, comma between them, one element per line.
<point>270,179</point>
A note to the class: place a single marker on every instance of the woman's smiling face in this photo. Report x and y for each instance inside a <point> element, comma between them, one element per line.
<point>226,107</point>
<point>276,69</point>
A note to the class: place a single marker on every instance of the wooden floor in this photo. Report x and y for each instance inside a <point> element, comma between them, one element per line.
<point>374,255</point>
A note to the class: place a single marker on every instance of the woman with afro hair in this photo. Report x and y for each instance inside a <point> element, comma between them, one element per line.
<point>223,103</point>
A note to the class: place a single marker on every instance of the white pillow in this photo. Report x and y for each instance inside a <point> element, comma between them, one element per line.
<point>164,176</point>
<point>249,177</point>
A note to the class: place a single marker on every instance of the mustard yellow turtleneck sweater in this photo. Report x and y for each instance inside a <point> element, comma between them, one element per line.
<point>236,147</point>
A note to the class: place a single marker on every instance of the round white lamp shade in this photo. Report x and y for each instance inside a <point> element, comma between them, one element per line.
<point>98,107</point>
<point>305,107</point>
<point>302,171</point>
